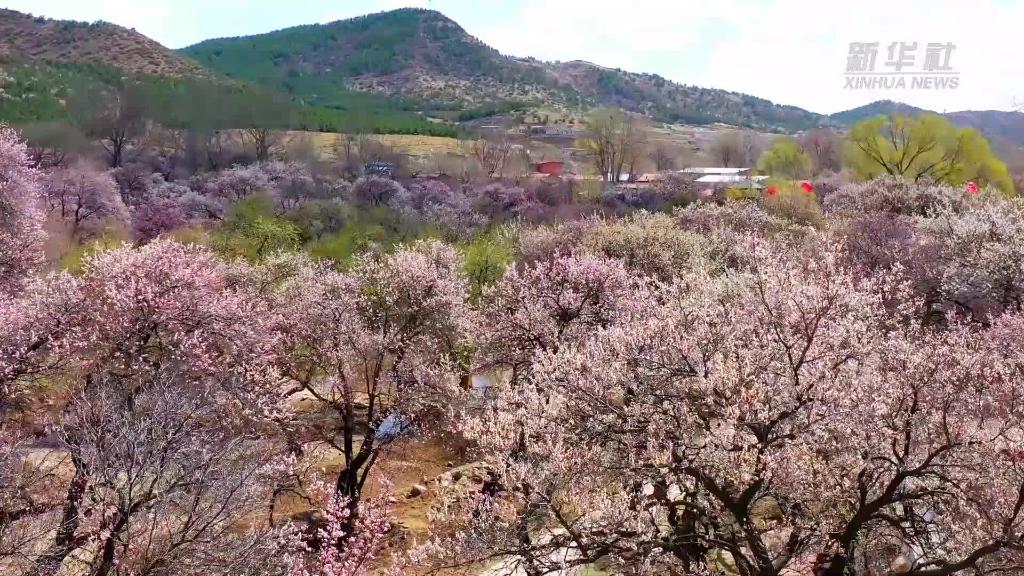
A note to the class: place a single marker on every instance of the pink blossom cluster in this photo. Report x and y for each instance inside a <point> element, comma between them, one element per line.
<point>788,412</point>
<point>363,531</point>
<point>21,233</point>
<point>724,389</point>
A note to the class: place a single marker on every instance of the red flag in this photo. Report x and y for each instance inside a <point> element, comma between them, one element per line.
<point>807,186</point>
<point>971,187</point>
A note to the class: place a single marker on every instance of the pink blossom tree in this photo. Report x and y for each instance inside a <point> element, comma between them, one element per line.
<point>379,348</point>
<point>84,197</point>
<point>499,202</point>
<point>549,304</point>
<point>157,216</point>
<point>292,183</point>
<point>897,195</point>
<point>288,184</point>
<point>32,324</point>
<point>364,537</point>
<point>375,190</point>
<point>133,181</point>
<point>233,184</point>
<point>779,418</point>
<point>170,205</point>
<point>648,244</point>
<point>21,233</point>
<point>978,255</point>
<point>171,382</point>
<point>961,250</point>
<point>32,316</point>
<point>435,203</point>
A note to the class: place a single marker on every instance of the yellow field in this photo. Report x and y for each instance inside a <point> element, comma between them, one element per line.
<point>411,144</point>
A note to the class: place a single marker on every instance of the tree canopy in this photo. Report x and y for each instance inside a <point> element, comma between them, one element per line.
<point>786,159</point>
<point>615,142</point>
<point>926,147</point>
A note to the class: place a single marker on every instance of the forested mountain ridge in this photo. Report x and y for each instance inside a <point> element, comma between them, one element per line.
<point>376,72</point>
<point>423,55</point>
<point>46,65</point>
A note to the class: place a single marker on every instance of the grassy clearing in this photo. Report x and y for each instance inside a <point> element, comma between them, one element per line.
<point>410,144</point>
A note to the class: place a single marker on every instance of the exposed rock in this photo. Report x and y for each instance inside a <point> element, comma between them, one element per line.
<point>417,490</point>
<point>724,562</point>
<point>675,493</point>
<point>766,509</point>
<point>900,565</point>
<point>474,471</point>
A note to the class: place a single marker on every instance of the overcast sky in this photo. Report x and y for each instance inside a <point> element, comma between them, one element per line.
<point>791,52</point>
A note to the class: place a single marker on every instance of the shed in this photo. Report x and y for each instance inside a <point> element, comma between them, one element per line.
<point>551,167</point>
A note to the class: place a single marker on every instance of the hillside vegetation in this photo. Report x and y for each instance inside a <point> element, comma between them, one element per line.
<point>42,39</point>
<point>45,63</point>
<point>420,55</point>
<point>1003,128</point>
<point>386,73</point>
<point>232,360</point>
<point>433,63</point>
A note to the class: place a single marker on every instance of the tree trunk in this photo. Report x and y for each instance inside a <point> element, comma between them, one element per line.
<point>107,558</point>
<point>64,541</point>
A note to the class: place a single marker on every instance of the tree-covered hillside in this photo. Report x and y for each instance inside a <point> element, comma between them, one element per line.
<point>431,63</point>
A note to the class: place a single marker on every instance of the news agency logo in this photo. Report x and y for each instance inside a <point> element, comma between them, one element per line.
<point>900,71</point>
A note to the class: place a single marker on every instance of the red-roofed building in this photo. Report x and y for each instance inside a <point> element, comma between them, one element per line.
<point>551,167</point>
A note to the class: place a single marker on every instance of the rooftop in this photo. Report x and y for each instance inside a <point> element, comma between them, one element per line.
<point>718,178</point>
<point>714,170</point>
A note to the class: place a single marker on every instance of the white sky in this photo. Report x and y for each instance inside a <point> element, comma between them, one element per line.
<point>790,51</point>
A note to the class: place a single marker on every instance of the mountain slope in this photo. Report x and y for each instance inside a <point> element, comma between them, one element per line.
<point>1000,127</point>
<point>372,73</point>
<point>664,99</point>
<point>406,52</point>
<point>39,39</point>
<point>44,63</point>
<point>996,125</point>
<point>424,55</point>
<point>879,107</point>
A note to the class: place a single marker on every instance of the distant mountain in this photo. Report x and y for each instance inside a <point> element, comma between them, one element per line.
<point>44,62</point>
<point>1000,127</point>
<point>996,125</point>
<point>404,52</point>
<point>880,107</point>
<point>38,39</point>
<point>376,72</point>
<point>660,98</point>
<point>423,55</point>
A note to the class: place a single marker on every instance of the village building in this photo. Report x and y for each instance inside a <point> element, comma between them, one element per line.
<point>550,167</point>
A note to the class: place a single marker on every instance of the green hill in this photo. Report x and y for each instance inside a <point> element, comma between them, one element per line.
<point>44,63</point>
<point>432,63</point>
<point>382,72</point>
<point>879,107</point>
